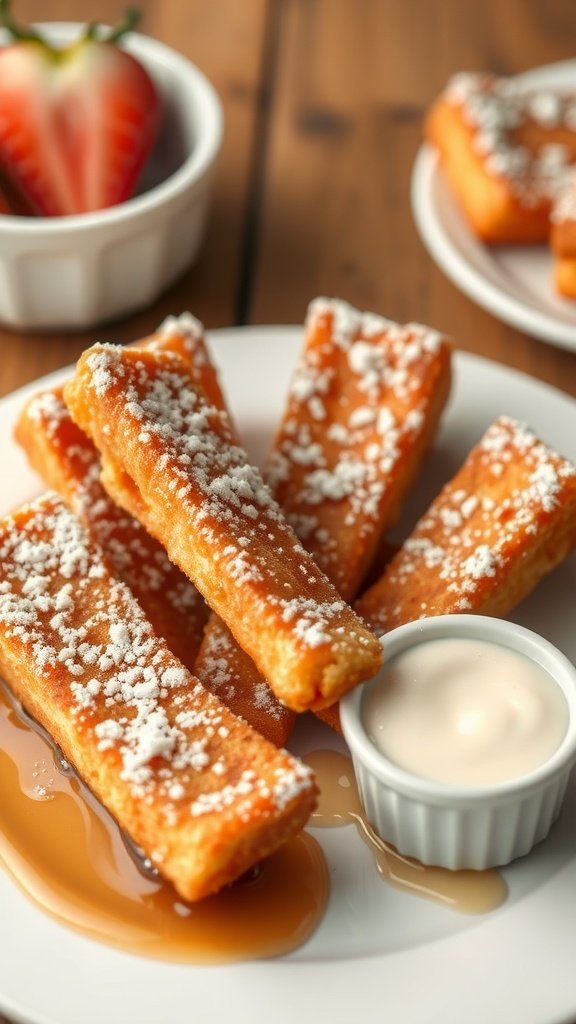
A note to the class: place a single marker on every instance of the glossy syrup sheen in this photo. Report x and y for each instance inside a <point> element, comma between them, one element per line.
<point>69,856</point>
<point>469,892</point>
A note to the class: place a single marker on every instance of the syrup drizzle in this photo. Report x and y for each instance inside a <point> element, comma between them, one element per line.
<point>469,892</point>
<point>95,882</point>
<point>68,855</point>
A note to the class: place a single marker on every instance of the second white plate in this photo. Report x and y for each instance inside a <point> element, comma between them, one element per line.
<point>512,282</point>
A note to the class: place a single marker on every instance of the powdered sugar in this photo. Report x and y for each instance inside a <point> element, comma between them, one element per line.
<point>375,380</point>
<point>185,325</point>
<point>134,555</point>
<point>497,110</point>
<point>482,529</point>
<point>225,499</point>
<point>91,647</point>
<point>564,208</point>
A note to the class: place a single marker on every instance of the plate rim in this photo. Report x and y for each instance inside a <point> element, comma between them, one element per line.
<point>319,974</point>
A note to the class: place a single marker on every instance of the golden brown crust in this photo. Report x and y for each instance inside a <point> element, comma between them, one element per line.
<point>362,409</point>
<point>563,235</point>
<point>170,458</point>
<point>197,789</point>
<point>563,239</point>
<point>504,520</point>
<point>228,672</point>
<point>363,406</point>
<point>69,463</point>
<point>504,153</point>
<point>184,335</point>
<point>565,277</point>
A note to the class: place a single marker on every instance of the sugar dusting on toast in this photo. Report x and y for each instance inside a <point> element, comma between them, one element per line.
<point>484,526</point>
<point>349,456</point>
<point>122,681</point>
<point>496,109</point>
<point>137,559</point>
<point>230,510</point>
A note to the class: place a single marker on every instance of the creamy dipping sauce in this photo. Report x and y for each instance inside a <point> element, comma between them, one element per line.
<point>465,712</point>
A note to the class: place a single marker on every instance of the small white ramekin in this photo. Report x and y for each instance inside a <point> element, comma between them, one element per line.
<point>78,271</point>
<point>462,826</point>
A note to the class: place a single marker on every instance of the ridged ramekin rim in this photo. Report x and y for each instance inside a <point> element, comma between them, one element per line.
<point>427,791</point>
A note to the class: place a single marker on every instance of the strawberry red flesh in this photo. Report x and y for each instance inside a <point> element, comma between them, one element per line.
<point>4,204</point>
<point>76,124</point>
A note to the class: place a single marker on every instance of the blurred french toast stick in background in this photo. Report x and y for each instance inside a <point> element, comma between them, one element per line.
<point>504,150</point>
<point>170,457</point>
<point>563,238</point>
<point>506,518</point>
<point>200,792</point>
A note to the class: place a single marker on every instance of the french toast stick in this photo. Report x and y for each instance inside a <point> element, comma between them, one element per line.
<point>563,238</point>
<point>362,408</point>
<point>504,151</point>
<point>69,463</point>
<point>199,791</point>
<point>506,518</point>
<point>224,668</point>
<point>170,458</point>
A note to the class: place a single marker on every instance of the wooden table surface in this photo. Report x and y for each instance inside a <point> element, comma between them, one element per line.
<point>323,101</point>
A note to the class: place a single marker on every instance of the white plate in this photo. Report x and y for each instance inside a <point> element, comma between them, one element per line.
<point>515,283</point>
<point>376,946</point>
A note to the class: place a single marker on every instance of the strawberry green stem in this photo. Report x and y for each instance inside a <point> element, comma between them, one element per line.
<point>129,21</point>
<point>27,34</point>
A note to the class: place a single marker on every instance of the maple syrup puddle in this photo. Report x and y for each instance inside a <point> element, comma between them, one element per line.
<point>469,892</point>
<point>68,855</point>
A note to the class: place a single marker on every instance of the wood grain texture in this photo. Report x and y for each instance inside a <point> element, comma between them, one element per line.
<point>352,84</point>
<point>324,101</point>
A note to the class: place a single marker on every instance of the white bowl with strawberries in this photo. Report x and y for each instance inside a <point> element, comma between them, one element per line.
<point>108,141</point>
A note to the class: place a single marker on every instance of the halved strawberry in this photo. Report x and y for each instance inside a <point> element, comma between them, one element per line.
<point>76,124</point>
